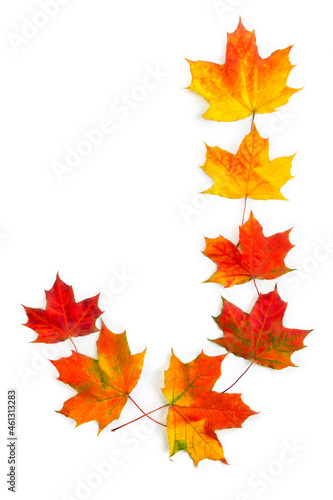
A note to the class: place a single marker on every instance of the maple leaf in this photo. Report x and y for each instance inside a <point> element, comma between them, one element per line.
<point>257,256</point>
<point>63,318</point>
<point>103,385</point>
<point>196,411</point>
<point>245,84</point>
<point>248,173</point>
<point>260,336</point>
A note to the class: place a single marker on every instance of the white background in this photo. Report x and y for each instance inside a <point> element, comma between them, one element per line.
<point>131,207</point>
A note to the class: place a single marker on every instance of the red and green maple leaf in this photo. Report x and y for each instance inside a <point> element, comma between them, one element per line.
<point>260,336</point>
<point>256,256</point>
<point>245,84</point>
<point>63,318</point>
<point>196,411</point>
<point>103,385</point>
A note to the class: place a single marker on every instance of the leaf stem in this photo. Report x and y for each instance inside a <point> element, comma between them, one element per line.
<point>144,413</point>
<point>238,378</point>
<point>70,338</point>
<point>255,284</point>
<point>252,123</point>
<point>139,418</point>
<point>245,201</point>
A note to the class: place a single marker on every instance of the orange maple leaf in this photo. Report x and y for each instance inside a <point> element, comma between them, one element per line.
<point>104,384</point>
<point>196,411</point>
<point>248,173</point>
<point>260,336</point>
<point>256,256</point>
<point>245,84</point>
<point>63,318</point>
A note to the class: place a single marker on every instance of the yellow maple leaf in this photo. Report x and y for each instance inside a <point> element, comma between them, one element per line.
<point>196,411</point>
<point>245,84</point>
<point>249,173</point>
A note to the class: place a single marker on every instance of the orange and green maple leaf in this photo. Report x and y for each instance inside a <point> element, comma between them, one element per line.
<point>103,385</point>
<point>63,318</point>
<point>245,84</point>
<point>256,255</point>
<point>260,336</point>
<point>196,411</point>
<point>248,173</point>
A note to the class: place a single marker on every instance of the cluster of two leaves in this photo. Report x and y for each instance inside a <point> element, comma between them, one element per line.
<point>104,385</point>
<point>259,336</point>
<point>244,86</point>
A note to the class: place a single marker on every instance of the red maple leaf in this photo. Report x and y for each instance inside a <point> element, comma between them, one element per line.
<point>256,256</point>
<point>63,318</point>
<point>260,336</point>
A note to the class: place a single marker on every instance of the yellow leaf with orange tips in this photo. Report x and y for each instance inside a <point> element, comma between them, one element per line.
<point>196,411</point>
<point>245,84</point>
<point>248,173</point>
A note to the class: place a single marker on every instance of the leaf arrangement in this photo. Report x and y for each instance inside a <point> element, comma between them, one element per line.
<point>240,88</point>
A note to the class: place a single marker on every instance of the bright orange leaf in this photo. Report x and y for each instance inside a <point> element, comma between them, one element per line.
<point>63,318</point>
<point>103,385</point>
<point>245,84</point>
<point>196,411</point>
<point>249,173</point>
<point>260,336</point>
<point>256,256</point>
